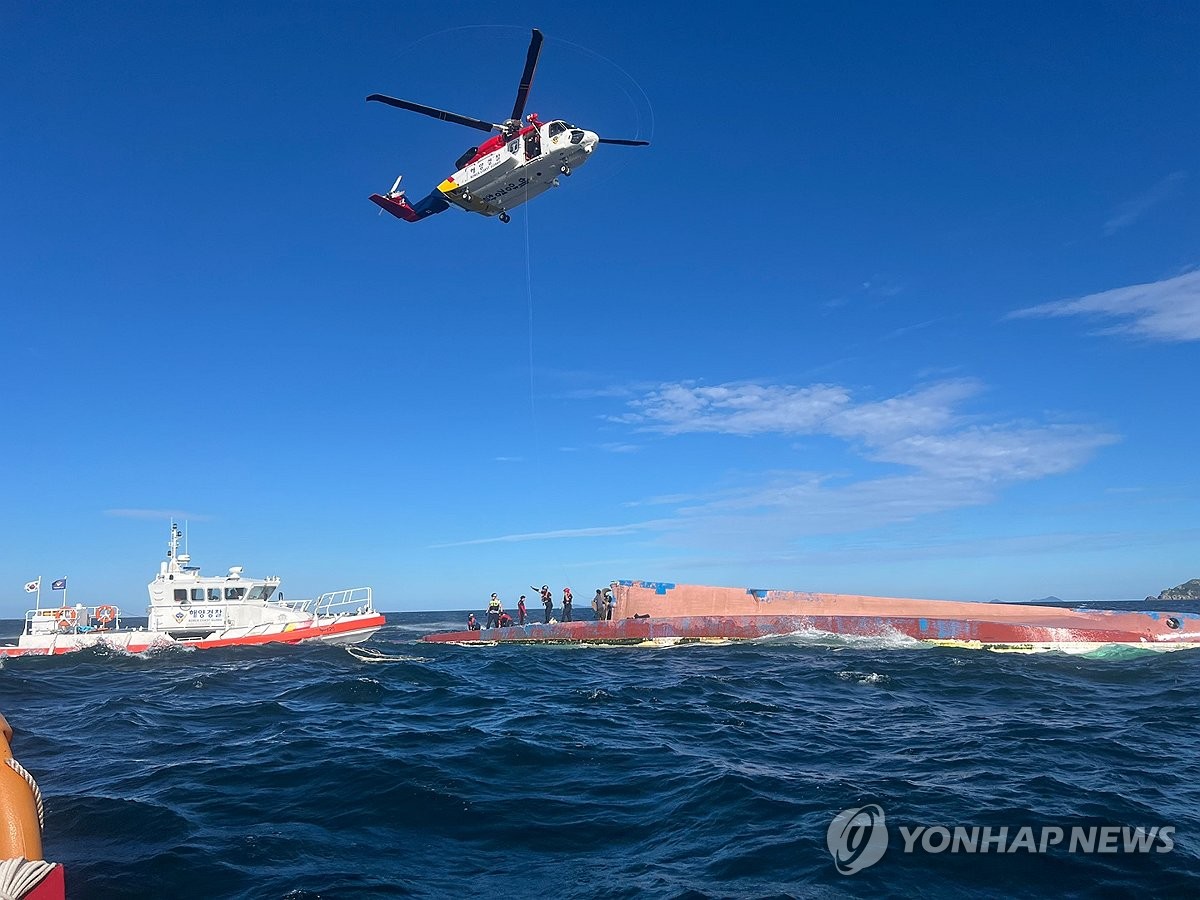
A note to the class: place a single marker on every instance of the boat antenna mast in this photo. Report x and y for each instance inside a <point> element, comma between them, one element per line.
<point>173,546</point>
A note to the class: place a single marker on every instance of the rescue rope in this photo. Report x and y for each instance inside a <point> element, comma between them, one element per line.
<point>37,792</point>
<point>529,295</point>
<point>20,876</point>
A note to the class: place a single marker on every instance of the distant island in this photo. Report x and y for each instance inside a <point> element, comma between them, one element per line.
<point>1189,590</point>
<point>1051,599</point>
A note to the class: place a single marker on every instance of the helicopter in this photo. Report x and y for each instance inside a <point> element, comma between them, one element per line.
<point>524,160</point>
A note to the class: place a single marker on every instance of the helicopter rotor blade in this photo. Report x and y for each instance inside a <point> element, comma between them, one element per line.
<point>444,115</point>
<point>624,143</point>
<point>531,61</point>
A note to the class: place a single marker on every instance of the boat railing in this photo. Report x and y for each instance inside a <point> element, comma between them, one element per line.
<point>353,601</point>
<point>73,619</point>
<point>302,606</point>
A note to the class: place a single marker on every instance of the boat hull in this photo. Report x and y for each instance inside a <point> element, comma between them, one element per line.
<point>349,630</point>
<point>657,613</point>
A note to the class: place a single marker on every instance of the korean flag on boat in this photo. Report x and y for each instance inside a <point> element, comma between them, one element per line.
<point>32,587</point>
<point>59,585</point>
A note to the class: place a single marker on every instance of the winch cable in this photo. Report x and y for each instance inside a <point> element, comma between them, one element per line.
<point>529,295</point>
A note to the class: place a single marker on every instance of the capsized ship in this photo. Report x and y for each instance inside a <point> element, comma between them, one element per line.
<point>655,612</point>
<point>203,611</point>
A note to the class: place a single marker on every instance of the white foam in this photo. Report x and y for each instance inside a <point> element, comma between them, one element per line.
<point>367,655</point>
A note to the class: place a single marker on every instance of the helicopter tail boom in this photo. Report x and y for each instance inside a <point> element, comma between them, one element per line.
<point>397,204</point>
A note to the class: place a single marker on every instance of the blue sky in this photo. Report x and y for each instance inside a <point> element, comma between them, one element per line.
<point>904,299</point>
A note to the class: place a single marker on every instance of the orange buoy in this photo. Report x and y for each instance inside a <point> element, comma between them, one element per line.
<point>105,614</point>
<point>24,872</point>
<point>20,806</point>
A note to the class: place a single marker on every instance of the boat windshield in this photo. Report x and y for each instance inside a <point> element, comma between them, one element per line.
<point>235,593</point>
<point>261,592</point>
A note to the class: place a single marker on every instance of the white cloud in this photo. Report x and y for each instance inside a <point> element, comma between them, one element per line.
<point>601,531</point>
<point>948,459</point>
<point>1167,310</point>
<point>176,514</point>
<point>736,408</point>
<point>1132,210</point>
<point>928,409</point>
<point>997,453</point>
<point>910,455</point>
<point>663,500</point>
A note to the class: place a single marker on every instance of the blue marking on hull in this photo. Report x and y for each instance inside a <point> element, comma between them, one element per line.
<point>950,629</point>
<point>660,587</point>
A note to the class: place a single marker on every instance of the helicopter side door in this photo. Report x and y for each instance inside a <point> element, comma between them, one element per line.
<point>533,144</point>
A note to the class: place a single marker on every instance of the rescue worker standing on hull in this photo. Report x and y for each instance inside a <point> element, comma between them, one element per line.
<point>547,600</point>
<point>493,612</point>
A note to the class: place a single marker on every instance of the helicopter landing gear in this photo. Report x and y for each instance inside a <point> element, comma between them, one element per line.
<point>566,170</point>
<point>505,218</point>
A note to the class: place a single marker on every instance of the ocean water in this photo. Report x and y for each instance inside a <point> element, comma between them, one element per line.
<point>689,771</point>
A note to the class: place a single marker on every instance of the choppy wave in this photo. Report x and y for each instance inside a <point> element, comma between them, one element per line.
<point>706,771</point>
<point>813,637</point>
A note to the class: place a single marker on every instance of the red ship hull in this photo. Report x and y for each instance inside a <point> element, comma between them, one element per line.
<point>657,612</point>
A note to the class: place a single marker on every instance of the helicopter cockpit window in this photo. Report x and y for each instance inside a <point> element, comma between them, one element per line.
<point>557,128</point>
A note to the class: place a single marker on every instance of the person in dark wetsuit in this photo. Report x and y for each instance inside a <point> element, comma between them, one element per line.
<point>608,604</point>
<point>494,610</point>
<point>472,623</point>
<point>567,601</point>
<point>547,600</point>
<point>521,610</point>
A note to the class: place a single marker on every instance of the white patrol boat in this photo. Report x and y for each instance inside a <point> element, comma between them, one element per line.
<point>188,609</point>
